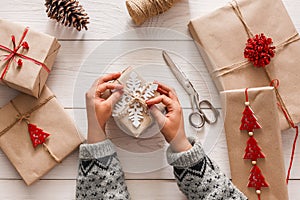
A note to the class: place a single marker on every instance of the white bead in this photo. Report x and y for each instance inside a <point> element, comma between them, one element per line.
<point>258,191</point>
<point>250,134</point>
<point>247,103</point>
<point>253,162</point>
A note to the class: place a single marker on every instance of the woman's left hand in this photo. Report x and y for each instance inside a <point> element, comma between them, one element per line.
<point>99,109</point>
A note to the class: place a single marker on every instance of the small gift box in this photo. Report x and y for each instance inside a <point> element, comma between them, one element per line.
<point>36,134</point>
<point>254,142</point>
<point>26,56</point>
<point>131,111</point>
<point>252,44</point>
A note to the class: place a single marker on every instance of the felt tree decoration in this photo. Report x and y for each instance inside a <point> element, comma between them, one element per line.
<point>253,151</point>
<point>257,180</point>
<point>37,135</point>
<point>249,121</point>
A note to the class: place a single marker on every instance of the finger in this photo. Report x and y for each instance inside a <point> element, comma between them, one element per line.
<point>115,97</point>
<point>158,115</point>
<point>107,86</point>
<point>164,88</point>
<point>160,99</point>
<point>109,77</point>
<point>161,91</point>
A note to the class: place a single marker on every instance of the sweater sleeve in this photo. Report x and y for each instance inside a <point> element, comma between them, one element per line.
<point>198,177</point>
<point>100,175</point>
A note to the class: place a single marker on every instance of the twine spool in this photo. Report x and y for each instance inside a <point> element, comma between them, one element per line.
<point>141,10</point>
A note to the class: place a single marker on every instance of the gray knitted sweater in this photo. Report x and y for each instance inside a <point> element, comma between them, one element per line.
<point>100,175</point>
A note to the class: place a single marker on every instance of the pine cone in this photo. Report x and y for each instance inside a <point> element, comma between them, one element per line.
<point>69,12</point>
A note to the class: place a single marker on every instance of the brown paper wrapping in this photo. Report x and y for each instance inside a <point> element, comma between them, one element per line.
<point>123,120</point>
<point>31,78</point>
<point>263,103</point>
<point>32,163</point>
<point>221,38</point>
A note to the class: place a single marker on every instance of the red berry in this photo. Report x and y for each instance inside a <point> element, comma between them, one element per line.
<point>20,63</point>
<point>25,45</point>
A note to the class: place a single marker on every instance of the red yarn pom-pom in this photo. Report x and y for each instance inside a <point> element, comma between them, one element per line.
<point>259,50</point>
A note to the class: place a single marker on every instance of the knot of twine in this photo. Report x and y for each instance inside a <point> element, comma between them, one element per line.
<point>141,10</point>
<point>135,98</point>
<point>138,99</point>
<point>25,117</point>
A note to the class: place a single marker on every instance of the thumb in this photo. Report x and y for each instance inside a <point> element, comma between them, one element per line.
<point>115,97</point>
<point>158,115</point>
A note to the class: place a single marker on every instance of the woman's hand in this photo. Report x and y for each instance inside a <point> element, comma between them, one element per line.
<point>172,124</point>
<point>99,109</point>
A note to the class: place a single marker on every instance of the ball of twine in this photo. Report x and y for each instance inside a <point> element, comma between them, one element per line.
<point>141,10</point>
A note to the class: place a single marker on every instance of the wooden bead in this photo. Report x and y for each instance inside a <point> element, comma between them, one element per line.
<point>258,191</point>
<point>250,134</point>
<point>253,162</point>
<point>247,103</point>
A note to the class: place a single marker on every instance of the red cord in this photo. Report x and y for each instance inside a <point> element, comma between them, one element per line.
<point>258,196</point>
<point>275,83</point>
<point>294,143</point>
<point>13,53</point>
<point>246,94</point>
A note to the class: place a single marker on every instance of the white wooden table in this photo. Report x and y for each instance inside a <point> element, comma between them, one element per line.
<point>139,47</point>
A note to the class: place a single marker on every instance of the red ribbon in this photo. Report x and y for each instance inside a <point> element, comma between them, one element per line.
<point>14,52</point>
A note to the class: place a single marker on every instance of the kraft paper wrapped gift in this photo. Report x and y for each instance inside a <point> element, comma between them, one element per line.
<point>263,103</point>
<point>221,37</point>
<point>47,114</point>
<point>27,68</point>
<point>131,112</point>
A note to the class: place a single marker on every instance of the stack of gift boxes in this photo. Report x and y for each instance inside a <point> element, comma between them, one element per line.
<point>251,50</point>
<point>31,133</point>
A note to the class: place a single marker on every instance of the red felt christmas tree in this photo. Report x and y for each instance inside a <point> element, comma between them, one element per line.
<point>249,121</point>
<point>253,151</point>
<point>37,135</point>
<point>256,179</point>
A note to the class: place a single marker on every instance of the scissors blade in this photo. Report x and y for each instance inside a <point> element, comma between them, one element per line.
<point>180,76</point>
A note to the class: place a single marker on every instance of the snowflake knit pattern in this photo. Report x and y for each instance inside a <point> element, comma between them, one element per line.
<point>100,175</point>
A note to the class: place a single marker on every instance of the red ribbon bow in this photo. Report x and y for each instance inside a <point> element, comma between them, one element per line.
<point>14,52</point>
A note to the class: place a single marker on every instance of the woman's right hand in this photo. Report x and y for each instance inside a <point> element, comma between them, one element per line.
<point>172,124</point>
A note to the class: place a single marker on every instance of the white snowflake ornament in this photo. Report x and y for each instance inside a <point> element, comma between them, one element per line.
<point>131,112</point>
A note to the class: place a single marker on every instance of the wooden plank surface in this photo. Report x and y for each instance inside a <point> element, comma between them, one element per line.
<point>112,43</point>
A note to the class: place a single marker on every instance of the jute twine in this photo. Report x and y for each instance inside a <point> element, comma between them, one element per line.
<point>141,10</point>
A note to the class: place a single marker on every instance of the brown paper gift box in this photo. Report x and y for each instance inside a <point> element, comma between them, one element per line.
<point>221,38</point>
<point>31,77</point>
<point>263,103</point>
<point>122,118</point>
<point>33,163</point>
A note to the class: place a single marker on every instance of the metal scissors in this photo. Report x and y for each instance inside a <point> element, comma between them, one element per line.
<point>197,118</point>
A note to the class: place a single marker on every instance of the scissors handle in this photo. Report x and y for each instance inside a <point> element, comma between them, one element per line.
<point>200,116</point>
<point>212,108</point>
